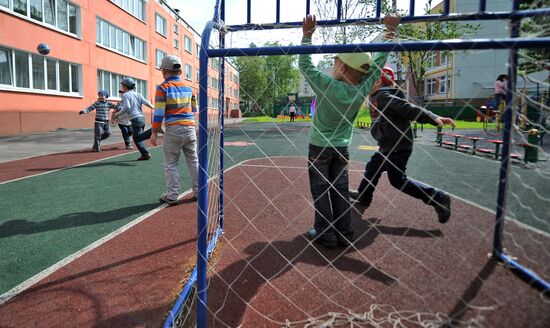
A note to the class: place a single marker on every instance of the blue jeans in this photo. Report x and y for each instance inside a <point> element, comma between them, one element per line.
<point>395,164</point>
<point>126,133</point>
<point>138,124</point>
<point>102,131</point>
<point>328,181</point>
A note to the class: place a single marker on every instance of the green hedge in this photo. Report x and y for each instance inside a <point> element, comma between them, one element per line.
<point>465,113</point>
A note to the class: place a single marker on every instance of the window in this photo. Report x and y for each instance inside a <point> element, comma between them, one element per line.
<point>20,69</point>
<point>5,67</point>
<point>135,8</point>
<point>430,86</point>
<point>51,73</point>
<point>214,103</point>
<point>443,57</point>
<point>111,82</point>
<point>444,84</point>
<point>215,83</point>
<point>431,59</point>
<point>20,7</point>
<point>38,72</point>
<point>197,50</point>
<point>198,74</point>
<point>176,29</point>
<point>118,40</point>
<point>215,63</point>
<point>176,43</point>
<point>187,44</point>
<point>49,12</point>
<point>158,57</point>
<point>64,77</point>
<point>188,70</point>
<point>36,10</point>
<point>73,19</point>
<point>160,24</point>
<point>61,14</point>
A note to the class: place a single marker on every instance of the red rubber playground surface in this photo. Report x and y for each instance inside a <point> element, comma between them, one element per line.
<point>266,273</point>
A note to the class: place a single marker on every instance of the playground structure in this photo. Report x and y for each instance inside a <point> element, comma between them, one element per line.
<point>211,170</point>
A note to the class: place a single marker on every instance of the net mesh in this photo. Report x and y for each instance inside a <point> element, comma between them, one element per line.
<point>404,269</point>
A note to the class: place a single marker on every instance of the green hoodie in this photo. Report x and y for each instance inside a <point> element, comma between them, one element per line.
<point>337,102</point>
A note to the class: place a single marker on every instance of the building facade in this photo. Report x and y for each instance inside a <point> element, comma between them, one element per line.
<point>468,77</point>
<point>94,45</point>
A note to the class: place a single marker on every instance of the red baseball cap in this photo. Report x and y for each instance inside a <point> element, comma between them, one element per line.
<point>388,75</point>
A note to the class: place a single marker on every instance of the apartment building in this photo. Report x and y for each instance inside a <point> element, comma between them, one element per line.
<point>94,45</point>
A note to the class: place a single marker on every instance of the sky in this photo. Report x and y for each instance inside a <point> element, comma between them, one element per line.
<point>197,15</point>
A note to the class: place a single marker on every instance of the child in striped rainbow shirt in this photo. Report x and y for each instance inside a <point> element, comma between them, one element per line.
<point>174,105</point>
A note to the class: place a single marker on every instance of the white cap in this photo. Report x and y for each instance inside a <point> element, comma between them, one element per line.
<point>171,63</point>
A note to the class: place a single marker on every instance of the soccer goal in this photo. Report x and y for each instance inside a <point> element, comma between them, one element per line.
<point>254,265</point>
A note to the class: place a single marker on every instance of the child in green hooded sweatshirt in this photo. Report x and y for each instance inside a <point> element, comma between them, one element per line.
<point>339,98</point>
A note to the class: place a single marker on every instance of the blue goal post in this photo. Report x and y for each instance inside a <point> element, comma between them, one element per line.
<point>198,278</point>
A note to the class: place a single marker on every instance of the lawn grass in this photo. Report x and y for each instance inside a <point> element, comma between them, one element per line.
<point>364,116</point>
<point>260,119</point>
<point>268,119</point>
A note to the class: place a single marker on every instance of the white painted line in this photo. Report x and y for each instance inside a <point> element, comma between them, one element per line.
<point>69,167</point>
<point>36,278</point>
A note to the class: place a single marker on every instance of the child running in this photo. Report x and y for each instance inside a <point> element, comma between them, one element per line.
<point>102,130</point>
<point>124,125</point>
<point>391,128</point>
<point>130,105</point>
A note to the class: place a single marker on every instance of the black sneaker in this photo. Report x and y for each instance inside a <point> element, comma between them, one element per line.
<point>145,157</point>
<point>355,197</point>
<point>313,236</point>
<point>344,242</point>
<point>164,199</point>
<point>443,208</point>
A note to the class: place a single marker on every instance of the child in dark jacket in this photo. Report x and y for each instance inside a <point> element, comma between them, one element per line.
<point>102,130</point>
<point>392,115</point>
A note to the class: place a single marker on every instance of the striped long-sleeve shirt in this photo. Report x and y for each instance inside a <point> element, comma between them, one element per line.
<point>101,110</point>
<point>173,104</point>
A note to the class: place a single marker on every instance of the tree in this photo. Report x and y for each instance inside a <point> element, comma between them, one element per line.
<point>281,72</point>
<point>535,59</point>
<point>252,79</point>
<point>417,62</point>
<point>265,78</point>
<point>351,9</point>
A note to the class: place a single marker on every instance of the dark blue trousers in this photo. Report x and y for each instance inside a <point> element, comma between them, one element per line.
<point>328,180</point>
<point>395,164</point>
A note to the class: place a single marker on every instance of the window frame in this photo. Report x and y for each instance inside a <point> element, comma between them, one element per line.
<point>125,46</point>
<point>164,21</point>
<point>187,44</point>
<point>43,21</point>
<point>188,73</point>
<point>158,60</point>
<point>430,86</point>
<point>74,74</point>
